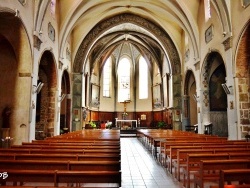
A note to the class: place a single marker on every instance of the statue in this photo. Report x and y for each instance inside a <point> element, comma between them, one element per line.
<point>84,113</point>
<point>6,117</point>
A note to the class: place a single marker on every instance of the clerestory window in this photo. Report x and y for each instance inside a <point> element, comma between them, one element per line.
<point>143,79</point>
<point>124,80</point>
<point>107,78</point>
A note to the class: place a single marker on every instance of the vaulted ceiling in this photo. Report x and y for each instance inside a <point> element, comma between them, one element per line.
<point>152,28</point>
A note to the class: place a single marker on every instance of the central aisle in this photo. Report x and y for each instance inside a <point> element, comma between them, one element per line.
<point>140,169</point>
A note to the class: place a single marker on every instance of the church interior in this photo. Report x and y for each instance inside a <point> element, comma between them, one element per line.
<point>137,68</point>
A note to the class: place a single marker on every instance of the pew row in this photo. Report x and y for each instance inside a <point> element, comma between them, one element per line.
<point>184,157</point>
<point>209,170</point>
<point>192,162</point>
<point>241,176</point>
<point>60,157</point>
<point>61,176</point>
<point>171,155</point>
<point>61,151</point>
<point>60,165</point>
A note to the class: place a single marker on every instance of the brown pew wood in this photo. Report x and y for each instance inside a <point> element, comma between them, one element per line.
<point>234,153</point>
<point>209,169</point>
<point>232,186</point>
<point>73,143</point>
<point>57,177</point>
<point>239,175</point>
<point>165,150</point>
<point>181,160</point>
<point>60,165</point>
<point>78,157</point>
<point>61,157</point>
<point>64,147</point>
<point>192,164</point>
<point>173,150</point>
<point>61,151</point>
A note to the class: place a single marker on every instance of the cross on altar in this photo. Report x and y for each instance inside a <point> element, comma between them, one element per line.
<point>125,104</point>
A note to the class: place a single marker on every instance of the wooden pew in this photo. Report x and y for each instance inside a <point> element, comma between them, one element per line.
<point>81,157</point>
<point>239,175</point>
<point>92,136</point>
<point>192,164</point>
<point>62,176</point>
<point>61,151</point>
<point>173,154</point>
<point>173,150</point>
<point>73,142</point>
<point>232,186</point>
<point>61,157</point>
<point>19,186</point>
<point>181,161</point>
<point>209,170</point>
<point>60,165</point>
<point>165,146</point>
<point>149,135</point>
<point>182,155</point>
<point>63,147</point>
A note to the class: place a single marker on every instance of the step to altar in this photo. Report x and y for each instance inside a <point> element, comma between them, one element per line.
<point>128,132</point>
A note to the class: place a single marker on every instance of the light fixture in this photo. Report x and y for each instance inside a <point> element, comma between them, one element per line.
<point>226,88</point>
<point>60,99</point>
<point>16,13</point>
<point>37,89</point>
<point>196,98</point>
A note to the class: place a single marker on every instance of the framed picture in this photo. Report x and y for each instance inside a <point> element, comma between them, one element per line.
<point>157,98</point>
<point>143,117</point>
<point>95,96</point>
<point>209,34</point>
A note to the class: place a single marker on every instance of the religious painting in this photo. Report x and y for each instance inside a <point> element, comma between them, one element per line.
<point>245,3</point>
<point>217,95</point>
<point>143,117</point>
<point>95,96</point>
<point>209,34</point>
<point>157,98</point>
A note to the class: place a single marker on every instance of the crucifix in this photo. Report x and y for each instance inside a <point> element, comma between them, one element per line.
<point>125,108</point>
<point>125,104</point>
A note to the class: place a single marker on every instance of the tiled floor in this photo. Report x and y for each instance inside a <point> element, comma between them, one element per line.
<point>140,169</point>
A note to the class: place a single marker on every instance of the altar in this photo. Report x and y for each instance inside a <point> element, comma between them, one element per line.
<point>125,123</point>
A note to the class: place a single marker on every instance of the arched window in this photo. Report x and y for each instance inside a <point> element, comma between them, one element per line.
<point>207,10</point>
<point>53,8</point>
<point>143,79</point>
<point>107,78</point>
<point>124,80</point>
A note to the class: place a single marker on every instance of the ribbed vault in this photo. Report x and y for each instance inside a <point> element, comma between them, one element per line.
<point>147,37</point>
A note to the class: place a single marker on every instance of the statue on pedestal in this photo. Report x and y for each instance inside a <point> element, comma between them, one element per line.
<point>6,117</point>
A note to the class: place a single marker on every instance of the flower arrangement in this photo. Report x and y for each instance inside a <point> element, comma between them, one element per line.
<point>108,125</point>
<point>161,124</point>
<point>124,115</point>
<point>92,124</point>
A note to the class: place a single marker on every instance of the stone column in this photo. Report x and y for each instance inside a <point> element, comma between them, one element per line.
<point>185,111</point>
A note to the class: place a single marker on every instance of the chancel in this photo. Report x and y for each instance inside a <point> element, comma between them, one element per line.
<point>103,87</point>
